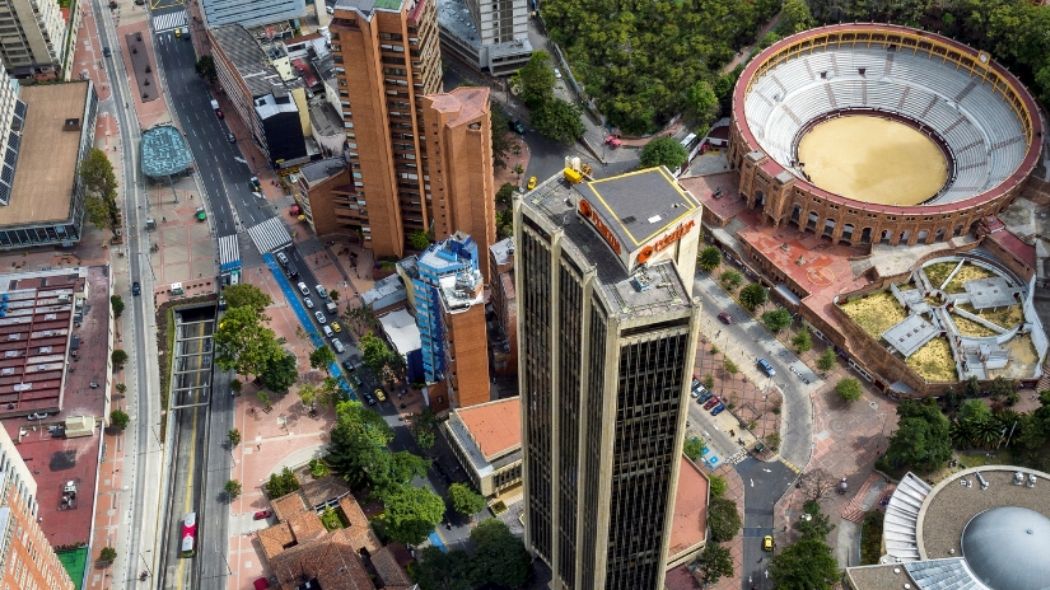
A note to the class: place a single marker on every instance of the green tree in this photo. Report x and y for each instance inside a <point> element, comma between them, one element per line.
<point>280,373</point>
<point>1001,387</point>
<point>826,360</point>
<point>709,258</point>
<point>803,340</point>
<point>814,523</point>
<point>718,486</point>
<point>100,184</point>
<point>424,428</point>
<point>694,447</point>
<point>247,295</point>
<point>233,437</point>
<point>663,151</point>
<point>308,394</point>
<point>504,224</point>
<point>322,358</point>
<point>805,565</point>
<point>505,194</point>
<point>702,102</point>
<point>418,240</point>
<point>333,294</point>
<point>723,518</point>
<point>848,389</point>
<point>236,386</point>
<point>107,555</point>
<point>117,303</point>
<point>729,366</point>
<point>753,296</point>
<point>119,357</point>
<point>374,352</point>
<point>795,17</point>
<point>281,484</point>
<point>500,144</point>
<point>500,558</point>
<point>243,344</point>
<point>119,420</point>
<point>731,279</point>
<point>714,563</point>
<point>205,68</point>
<point>975,424</point>
<point>436,570</point>
<point>318,468</point>
<point>777,319</point>
<point>465,500</point>
<point>410,513</point>
<point>535,80</point>
<point>559,121</point>
<point>232,489</point>
<point>922,441</point>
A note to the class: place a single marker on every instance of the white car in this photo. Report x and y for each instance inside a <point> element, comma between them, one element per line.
<point>327,331</point>
<point>37,416</point>
<point>282,258</point>
<point>308,302</point>
<point>557,73</point>
<point>303,288</point>
<point>338,346</point>
<point>320,318</point>
<point>321,291</point>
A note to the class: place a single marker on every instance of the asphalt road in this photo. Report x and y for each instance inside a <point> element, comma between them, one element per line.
<point>139,442</point>
<point>764,484</point>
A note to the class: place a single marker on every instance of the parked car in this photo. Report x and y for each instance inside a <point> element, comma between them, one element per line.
<point>291,271</point>
<point>368,398</point>
<point>695,393</point>
<point>327,331</point>
<point>320,317</point>
<point>136,289</point>
<point>338,346</point>
<point>714,401</point>
<point>766,367</point>
<point>613,141</point>
<point>767,543</point>
<point>725,318</point>
<point>309,303</point>
<point>557,73</point>
<point>218,113</point>
<point>303,288</point>
<point>106,52</point>
<point>231,137</point>
<point>321,291</point>
<point>718,409</point>
<point>517,127</point>
<point>380,394</point>
<point>336,327</point>
<point>282,258</point>
<point>704,397</point>
<point>222,302</point>
<point>261,514</point>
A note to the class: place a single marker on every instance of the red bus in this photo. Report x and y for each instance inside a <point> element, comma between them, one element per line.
<point>188,548</point>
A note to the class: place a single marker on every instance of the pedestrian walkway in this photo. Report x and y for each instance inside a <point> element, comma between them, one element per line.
<point>270,235</point>
<point>168,21</point>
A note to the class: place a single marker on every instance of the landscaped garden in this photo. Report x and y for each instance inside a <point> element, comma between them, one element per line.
<point>934,361</point>
<point>971,328</point>
<point>875,313</point>
<point>938,272</point>
<point>1006,317</point>
<point>967,273</point>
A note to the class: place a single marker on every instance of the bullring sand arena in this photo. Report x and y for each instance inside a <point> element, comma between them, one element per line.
<point>873,159</point>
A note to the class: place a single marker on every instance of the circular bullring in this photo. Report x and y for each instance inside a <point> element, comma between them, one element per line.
<point>869,133</point>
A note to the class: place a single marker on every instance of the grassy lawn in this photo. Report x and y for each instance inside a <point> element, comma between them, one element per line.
<point>934,361</point>
<point>967,273</point>
<point>332,519</point>
<point>1007,317</point>
<point>75,562</point>
<point>970,328</point>
<point>938,272</point>
<point>875,313</point>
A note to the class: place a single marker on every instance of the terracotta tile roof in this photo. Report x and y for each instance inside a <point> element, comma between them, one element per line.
<point>358,529</point>
<point>306,527</point>
<point>274,539</point>
<point>332,562</point>
<point>390,571</point>
<point>689,527</point>
<point>287,506</point>
<point>495,426</point>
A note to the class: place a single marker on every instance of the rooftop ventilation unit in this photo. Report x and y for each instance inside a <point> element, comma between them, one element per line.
<point>982,480</point>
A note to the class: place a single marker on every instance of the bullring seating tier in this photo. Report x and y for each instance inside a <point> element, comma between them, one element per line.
<point>982,134</point>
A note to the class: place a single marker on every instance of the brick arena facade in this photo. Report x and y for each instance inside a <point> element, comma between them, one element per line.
<point>784,196</point>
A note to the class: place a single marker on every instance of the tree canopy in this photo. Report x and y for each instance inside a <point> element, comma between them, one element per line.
<point>410,513</point>
<point>724,519</point>
<point>922,441</point>
<point>709,258</point>
<point>322,357</point>
<point>558,120</point>
<point>247,295</point>
<point>663,151</point>
<point>753,296</point>
<point>714,563</point>
<point>776,319</point>
<point>535,80</point>
<point>807,564</point>
<point>280,372</point>
<point>100,183</point>
<point>848,389</point>
<point>243,344</point>
<point>497,559</point>
<point>465,500</point>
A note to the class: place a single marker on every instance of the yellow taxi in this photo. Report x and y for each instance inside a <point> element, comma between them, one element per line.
<point>335,327</point>
<point>532,183</point>
<point>380,394</point>
<point>767,543</point>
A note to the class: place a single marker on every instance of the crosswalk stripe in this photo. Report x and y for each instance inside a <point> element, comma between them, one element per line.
<point>169,21</point>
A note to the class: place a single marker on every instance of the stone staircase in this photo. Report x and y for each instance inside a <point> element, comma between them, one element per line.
<point>854,511</point>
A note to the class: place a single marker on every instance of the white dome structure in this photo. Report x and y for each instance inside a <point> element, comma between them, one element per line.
<point>1007,548</point>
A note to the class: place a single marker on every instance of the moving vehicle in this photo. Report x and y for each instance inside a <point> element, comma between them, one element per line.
<point>331,308</point>
<point>309,303</point>
<point>714,401</point>
<point>178,32</point>
<point>303,289</point>
<point>320,318</point>
<point>767,543</point>
<point>380,394</point>
<point>725,318</point>
<point>136,289</point>
<point>253,182</point>
<point>532,183</point>
<point>106,52</point>
<point>291,271</point>
<point>336,327</point>
<point>766,367</point>
<point>231,137</point>
<point>282,258</point>
<point>188,547</point>
<point>261,514</point>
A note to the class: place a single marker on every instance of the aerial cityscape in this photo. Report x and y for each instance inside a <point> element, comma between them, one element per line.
<point>784,278</point>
